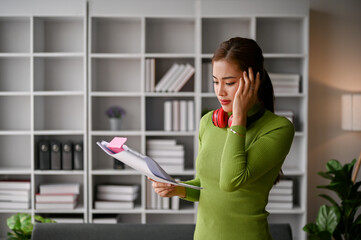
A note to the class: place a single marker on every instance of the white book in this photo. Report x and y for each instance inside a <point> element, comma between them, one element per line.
<point>281,191</point>
<point>68,220</point>
<point>166,147</point>
<point>161,153</point>
<point>105,220</point>
<point>55,197</point>
<point>161,142</point>
<point>52,206</point>
<point>116,197</point>
<point>175,115</point>
<point>154,199</point>
<point>169,160</point>
<point>280,198</point>
<point>284,77</point>
<point>14,205</point>
<point>15,192</point>
<point>284,184</point>
<point>166,76</point>
<point>175,200</point>
<point>114,205</point>
<point>165,203</point>
<point>159,202</point>
<point>190,115</point>
<point>15,184</point>
<point>168,116</point>
<point>183,115</point>
<point>279,205</point>
<point>210,78</point>
<point>59,188</point>
<point>152,75</point>
<point>147,75</point>
<point>109,188</point>
<point>180,78</point>
<point>173,78</point>
<point>183,79</point>
<point>149,189</point>
<point>14,198</point>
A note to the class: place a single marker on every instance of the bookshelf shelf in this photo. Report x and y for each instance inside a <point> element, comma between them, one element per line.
<point>63,66</point>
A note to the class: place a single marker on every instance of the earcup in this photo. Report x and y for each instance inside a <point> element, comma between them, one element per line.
<point>220,118</point>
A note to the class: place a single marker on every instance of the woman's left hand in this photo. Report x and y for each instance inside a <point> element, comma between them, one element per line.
<point>245,97</point>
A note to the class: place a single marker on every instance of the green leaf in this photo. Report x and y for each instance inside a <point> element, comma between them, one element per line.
<point>310,228</point>
<point>333,165</point>
<point>330,199</point>
<point>328,218</point>
<point>325,175</point>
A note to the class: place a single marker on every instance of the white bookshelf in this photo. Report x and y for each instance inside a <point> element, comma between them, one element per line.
<point>62,65</point>
<point>43,93</point>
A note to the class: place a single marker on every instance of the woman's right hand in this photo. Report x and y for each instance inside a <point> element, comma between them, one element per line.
<point>168,190</point>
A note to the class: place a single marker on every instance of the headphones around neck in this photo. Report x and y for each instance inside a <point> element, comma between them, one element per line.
<point>220,118</point>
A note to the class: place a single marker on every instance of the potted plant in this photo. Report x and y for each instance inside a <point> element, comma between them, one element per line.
<point>115,114</point>
<point>340,220</point>
<point>21,226</point>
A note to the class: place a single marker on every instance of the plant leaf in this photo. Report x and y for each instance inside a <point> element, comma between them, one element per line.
<point>328,218</point>
<point>333,165</point>
<point>330,199</point>
<point>311,228</point>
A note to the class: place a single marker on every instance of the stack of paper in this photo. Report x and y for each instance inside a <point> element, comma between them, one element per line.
<point>167,153</point>
<point>116,196</point>
<point>14,194</point>
<point>57,196</point>
<point>281,195</point>
<point>179,115</point>
<point>285,83</point>
<point>175,78</point>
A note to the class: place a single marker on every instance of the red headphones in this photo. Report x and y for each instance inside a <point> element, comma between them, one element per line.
<point>220,118</point>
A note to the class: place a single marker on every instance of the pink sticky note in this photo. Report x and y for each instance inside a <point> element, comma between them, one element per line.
<point>116,145</point>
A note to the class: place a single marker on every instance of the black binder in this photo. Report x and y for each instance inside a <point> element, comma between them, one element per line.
<point>78,156</point>
<point>55,156</point>
<point>44,155</point>
<point>67,156</point>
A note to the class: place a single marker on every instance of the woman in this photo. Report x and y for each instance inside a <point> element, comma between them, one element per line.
<point>237,164</point>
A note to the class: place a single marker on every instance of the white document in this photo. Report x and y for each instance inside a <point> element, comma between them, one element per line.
<point>143,164</point>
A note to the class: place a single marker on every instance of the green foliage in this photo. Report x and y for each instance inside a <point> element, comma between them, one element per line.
<point>21,226</point>
<point>338,221</point>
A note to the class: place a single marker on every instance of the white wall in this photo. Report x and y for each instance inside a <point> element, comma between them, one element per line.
<point>335,68</point>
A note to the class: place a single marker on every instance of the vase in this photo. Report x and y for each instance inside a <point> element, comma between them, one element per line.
<point>115,124</point>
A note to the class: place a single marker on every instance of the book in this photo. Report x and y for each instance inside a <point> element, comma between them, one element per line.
<point>165,203</point>
<point>173,167</point>
<point>112,188</point>
<point>166,76</point>
<point>162,153</point>
<point>113,205</point>
<point>284,184</point>
<point>147,75</point>
<point>169,160</point>
<point>105,220</point>
<point>59,188</point>
<point>280,198</point>
<point>152,75</point>
<point>15,192</point>
<point>14,198</point>
<point>15,184</point>
<point>161,142</point>
<point>55,197</point>
<point>176,147</point>
<point>173,77</point>
<point>183,115</point>
<point>279,205</point>
<point>68,220</point>
<point>55,205</point>
<point>190,115</point>
<point>281,191</point>
<point>175,115</point>
<point>116,196</point>
<point>188,73</point>
<point>14,205</point>
<point>168,116</point>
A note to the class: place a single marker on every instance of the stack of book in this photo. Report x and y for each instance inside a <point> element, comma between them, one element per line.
<point>167,153</point>
<point>179,115</point>
<point>154,201</point>
<point>281,195</point>
<point>116,196</point>
<point>57,196</point>
<point>287,114</point>
<point>175,78</point>
<point>285,83</point>
<point>14,194</point>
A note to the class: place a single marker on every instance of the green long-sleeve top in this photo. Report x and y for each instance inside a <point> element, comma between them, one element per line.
<point>237,174</point>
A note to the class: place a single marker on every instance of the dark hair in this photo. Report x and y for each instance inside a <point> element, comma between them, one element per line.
<point>246,53</point>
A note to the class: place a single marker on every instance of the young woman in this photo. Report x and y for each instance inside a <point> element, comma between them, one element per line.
<point>238,160</point>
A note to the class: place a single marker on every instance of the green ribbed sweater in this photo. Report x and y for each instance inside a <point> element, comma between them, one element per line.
<point>237,174</point>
